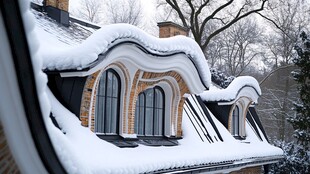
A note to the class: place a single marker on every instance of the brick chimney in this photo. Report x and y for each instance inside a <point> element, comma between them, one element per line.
<point>58,10</point>
<point>169,29</point>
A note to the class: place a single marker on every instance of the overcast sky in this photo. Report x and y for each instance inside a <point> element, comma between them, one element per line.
<point>149,9</point>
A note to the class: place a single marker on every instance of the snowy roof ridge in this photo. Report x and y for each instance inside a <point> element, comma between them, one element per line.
<point>230,93</point>
<point>81,56</point>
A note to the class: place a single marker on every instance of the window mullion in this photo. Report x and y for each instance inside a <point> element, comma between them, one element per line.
<point>144,114</point>
<point>154,116</point>
<point>105,101</point>
<point>112,102</point>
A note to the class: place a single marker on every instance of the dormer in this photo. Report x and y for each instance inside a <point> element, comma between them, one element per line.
<point>231,105</point>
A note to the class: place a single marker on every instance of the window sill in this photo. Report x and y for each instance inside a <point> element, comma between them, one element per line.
<point>239,137</point>
<point>119,141</point>
<point>154,141</point>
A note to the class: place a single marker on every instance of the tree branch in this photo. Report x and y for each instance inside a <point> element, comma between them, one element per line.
<point>268,75</point>
<point>176,7</point>
<point>274,23</point>
<point>236,19</point>
<point>204,22</point>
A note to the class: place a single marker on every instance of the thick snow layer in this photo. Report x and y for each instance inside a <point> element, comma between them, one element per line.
<point>80,56</point>
<point>81,151</point>
<point>230,93</point>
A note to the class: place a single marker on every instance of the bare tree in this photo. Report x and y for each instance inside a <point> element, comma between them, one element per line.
<point>279,92</point>
<point>90,10</point>
<point>198,14</point>
<point>124,11</point>
<point>214,50</point>
<point>287,20</point>
<point>235,48</point>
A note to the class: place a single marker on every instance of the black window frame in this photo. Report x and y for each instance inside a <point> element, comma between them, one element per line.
<point>239,121</point>
<point>106,97</point>
<point>235,122</point>
<point>153,107</point>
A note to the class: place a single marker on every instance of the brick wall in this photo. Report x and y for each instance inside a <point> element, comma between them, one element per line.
<point>87,98</point>
<point>7,162</point>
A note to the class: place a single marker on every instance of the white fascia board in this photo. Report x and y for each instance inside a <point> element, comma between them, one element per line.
<point>248,92</point>
<point>149,63</point>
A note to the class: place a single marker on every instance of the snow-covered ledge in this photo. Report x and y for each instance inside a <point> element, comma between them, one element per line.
<point>243,86</point>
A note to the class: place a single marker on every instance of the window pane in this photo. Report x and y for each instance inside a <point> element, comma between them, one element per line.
<point>158,98</point>
<point>148,121</point>
<point>141,120</point>
<point>101,85</point>
<point>149,97</point>
<point>99,114</point>
<point>114,120</point>
<point>110,84</point>
<point>141,99</point>
<point>156,122</point>
<point>160,121</point>
<point>115,86</point>
<point>235,120</point>
<point>108,115</point>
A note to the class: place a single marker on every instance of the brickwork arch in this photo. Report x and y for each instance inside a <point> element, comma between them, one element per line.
<point>144,80</point>
<point>87,109</point>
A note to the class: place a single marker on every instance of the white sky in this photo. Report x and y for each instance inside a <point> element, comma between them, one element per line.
<point>149,10</point>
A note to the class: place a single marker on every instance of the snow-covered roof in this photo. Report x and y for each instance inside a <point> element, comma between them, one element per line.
<point>66,48</point>
<point>232,92</point>
<point>100,156</point>
<point>52,34</point>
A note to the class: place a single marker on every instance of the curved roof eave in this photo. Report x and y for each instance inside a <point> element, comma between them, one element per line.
<point>85,56</point>
<point>246,84</point>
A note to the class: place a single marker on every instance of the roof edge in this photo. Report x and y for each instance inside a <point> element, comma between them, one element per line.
<point>227,166</point>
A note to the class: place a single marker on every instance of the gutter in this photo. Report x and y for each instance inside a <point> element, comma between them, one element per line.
<point>222,167</point>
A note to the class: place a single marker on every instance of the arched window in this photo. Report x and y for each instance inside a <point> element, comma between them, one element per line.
<point>238,120</point>
<point>235,122</point>
<point>107,103</point>
<point>149,113</point>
